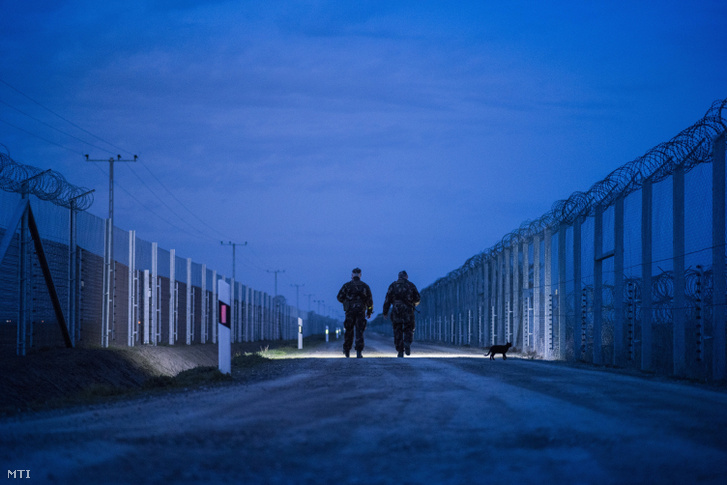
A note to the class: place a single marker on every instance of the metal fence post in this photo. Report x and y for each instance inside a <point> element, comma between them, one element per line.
<point>132,297</point>
<point>577,284</point>
<point>598,286</point>
<point>172,294</point>
<point>146,298</point>
<point>537,292</point>
<point>646,277</point>
<point>547,338</point>
<point>204,310</point>
<point>719,349</point>
<point>526,294</point>
<point>154,293</point>
<point>679,301</point>
<point>562,295</point>
<point>516,295</point>
<point>508,297</point>
<point>618,289</point>
<point>188,307</point>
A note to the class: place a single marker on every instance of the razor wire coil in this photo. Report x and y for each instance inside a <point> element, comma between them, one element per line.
<point>691,147</point>
<point>47,185</point>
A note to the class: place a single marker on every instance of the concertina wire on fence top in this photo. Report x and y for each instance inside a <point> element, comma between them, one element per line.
<point>688,149</point>
<point>47,185</point>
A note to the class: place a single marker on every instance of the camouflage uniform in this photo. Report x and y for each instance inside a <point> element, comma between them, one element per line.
<point>402,297</point>
<point>358,305</point>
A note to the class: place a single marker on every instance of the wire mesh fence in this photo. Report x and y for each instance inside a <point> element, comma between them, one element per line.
<point>143,295</point>
<point>629,273</point>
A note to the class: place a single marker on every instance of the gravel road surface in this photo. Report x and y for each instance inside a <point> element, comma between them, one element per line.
<point>435,417</point>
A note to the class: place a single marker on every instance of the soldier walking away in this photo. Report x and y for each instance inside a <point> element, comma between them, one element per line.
<point>358,305</point>
<point>402,297</point>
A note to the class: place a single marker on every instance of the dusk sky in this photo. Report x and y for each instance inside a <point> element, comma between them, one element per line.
<point>329,134</point>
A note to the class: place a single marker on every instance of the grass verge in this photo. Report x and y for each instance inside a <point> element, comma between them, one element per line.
<point>95,376</point>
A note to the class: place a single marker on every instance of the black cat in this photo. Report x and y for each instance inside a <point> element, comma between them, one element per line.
<point>499,349</point>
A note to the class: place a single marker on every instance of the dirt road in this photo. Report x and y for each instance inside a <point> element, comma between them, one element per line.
<point>435,417</point>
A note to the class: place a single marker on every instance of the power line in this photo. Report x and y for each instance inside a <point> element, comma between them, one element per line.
<point>179,201</point>
<point>166,220</point>
<point>59,116</point>
<point>141,180</point>
<point>198,233</point>
<point>259,260</point>
<point>40,137</point>
<point>99,148</point>
<point>49,125</point>
<point>85,142</point>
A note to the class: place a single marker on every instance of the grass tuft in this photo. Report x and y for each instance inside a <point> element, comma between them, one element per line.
<point>248,360</point>
<point>188,378</point>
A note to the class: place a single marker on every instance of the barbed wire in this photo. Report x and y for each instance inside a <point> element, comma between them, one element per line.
<point>47,185</point>
<point>691,147</point>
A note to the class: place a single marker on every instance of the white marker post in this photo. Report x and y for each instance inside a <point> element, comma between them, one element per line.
<point>300,333</point>
<point>326,333</point>
<point>224,347</point>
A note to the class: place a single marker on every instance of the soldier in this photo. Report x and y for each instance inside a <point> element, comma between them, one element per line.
<point>358,305</point>
<point>402,297</point>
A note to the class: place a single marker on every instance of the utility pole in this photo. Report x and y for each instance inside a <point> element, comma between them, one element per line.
<point>276,271</point>
<point>319,305</point>
<point>109,257</point>
<point>308,295</point>
<point>230,243</point>
<point>297,287</point>
<point>111,161</point>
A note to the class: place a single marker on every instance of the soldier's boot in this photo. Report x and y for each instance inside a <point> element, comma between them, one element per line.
<point>407,350</point>
<point>347,353</point>
<point>400,354</point>
<point>358,354</point>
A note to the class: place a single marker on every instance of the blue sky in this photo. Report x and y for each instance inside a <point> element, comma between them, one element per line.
<point>386,135</point>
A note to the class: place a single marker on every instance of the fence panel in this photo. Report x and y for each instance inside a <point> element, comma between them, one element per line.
<point>629,273</point>
<point>154,297</point>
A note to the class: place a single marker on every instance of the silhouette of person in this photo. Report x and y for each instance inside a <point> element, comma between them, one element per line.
<point>402,298</point>
<point>358,305</point>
